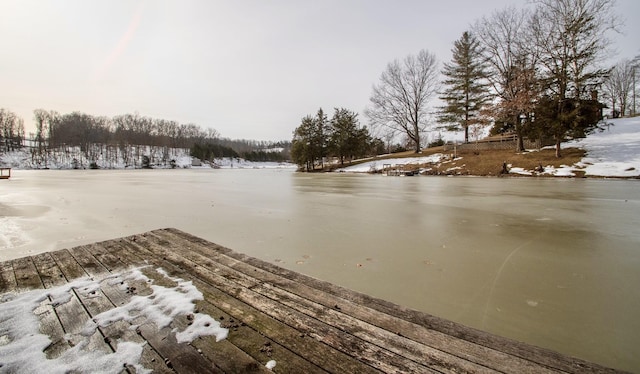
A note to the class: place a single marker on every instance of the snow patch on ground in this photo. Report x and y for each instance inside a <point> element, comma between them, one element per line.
<point>520,171</point>
<point>239,163</point>
<point>614,152</point>
<point>377,165</point>
<point>22,345</point>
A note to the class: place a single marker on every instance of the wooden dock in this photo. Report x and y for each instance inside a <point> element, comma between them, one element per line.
<point>398,170</point>
<point>5,173</point>
<point>305,325</point>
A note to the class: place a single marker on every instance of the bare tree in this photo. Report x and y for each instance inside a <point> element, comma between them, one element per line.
<point>619,87</point>
<point>635,66</point>
<point>39,155</point>
<point>571,38</point>
<point>11,130</point>
<point>399,101</point>
<point>41,117</point>
<point>512,58</point>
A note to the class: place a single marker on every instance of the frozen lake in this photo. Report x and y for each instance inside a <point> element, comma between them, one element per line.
<point>553,262</point>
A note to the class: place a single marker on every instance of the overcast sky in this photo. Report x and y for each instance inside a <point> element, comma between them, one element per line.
<point>249,69</point>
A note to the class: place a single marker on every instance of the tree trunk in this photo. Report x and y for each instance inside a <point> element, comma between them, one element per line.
<point>466,122</point>
<point>416,137</point>
<point>558,141</point>
<point>519,141</point>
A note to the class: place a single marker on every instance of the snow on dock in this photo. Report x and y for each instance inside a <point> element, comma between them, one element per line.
<point>167,301</point>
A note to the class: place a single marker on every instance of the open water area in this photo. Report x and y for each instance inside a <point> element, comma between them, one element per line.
<point>552,262</point>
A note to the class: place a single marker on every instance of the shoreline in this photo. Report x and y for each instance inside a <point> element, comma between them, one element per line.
<point>383,173</point>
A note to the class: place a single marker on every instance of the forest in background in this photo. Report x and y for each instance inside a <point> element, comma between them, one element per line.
<point>129,140</point>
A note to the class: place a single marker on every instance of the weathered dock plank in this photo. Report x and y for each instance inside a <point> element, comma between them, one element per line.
<point>50,324</point>
<point>65,266</point>
<point>245,342</point>
<point>49,272</point>
<point>302,293</point>
<point>304,324</point>
<point>380,348</point>
<point>26,274</point>
<point>237,287</point>
<point>226,357</point>
<point>8,281</point>
<point>315,353</point>
<point>540,357</point>
<point>68,265</point>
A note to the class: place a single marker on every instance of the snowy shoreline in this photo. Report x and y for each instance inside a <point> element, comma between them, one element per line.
<point>612,153</point>
<point>20,160</point>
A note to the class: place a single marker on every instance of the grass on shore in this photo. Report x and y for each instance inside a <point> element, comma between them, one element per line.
<point>490,162</point>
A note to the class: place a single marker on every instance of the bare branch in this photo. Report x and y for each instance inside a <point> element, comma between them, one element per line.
<point>399,101</point>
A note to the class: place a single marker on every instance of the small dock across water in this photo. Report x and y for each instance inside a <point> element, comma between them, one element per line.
<point>5,173</point>
<point>398,170</point>
<point>305,325</point>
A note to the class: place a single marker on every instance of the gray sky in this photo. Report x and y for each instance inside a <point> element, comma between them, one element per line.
<point>250,69</point>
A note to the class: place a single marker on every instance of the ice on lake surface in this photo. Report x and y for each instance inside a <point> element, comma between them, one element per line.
<point>552,262</point>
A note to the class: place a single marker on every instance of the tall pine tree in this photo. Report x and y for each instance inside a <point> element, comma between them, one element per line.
<point>310,143</point>
<point>466,88</point>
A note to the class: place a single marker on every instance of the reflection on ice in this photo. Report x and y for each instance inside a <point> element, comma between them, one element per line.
<point>11,234</point>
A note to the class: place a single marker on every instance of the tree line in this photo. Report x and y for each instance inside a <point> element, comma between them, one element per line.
<point>11,131</point>
<point>342,137</point>
<point>535,72</point>
<point>256,151</point>
<point>132,139</point>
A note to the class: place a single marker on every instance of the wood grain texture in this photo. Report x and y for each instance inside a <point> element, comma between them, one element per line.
<point>306,325</point>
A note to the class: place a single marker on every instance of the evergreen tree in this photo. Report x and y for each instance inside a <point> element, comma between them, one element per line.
<point>320,140</point>
<point>310,143</point>
<point>466,88</point>
<point>317,138</point>
<point>301,145</point>
<point>345,137</point>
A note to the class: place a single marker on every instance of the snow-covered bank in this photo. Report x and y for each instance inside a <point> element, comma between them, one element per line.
<point>614,152</point>
<point>378,165</point>
<point>158,158</point>
<point>239,163</point>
